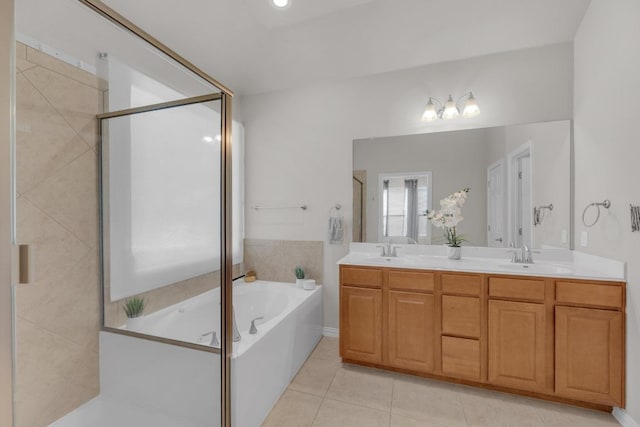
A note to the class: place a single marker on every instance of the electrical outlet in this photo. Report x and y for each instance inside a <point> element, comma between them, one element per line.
<point>564,236</point>
<point>584,239</point>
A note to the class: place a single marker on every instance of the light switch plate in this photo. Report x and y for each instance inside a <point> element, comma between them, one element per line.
<point>584,239</point>
<point>564,236</point>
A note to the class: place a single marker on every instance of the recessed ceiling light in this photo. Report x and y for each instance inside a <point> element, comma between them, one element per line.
<point>280,3</point>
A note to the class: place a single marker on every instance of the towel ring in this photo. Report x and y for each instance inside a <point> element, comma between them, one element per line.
<point>606,204</point>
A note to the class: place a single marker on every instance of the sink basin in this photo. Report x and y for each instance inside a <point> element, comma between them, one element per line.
<point>537,268</point>
<point>379,260</point>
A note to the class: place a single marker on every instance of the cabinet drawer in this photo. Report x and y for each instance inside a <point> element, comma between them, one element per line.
<point>461,316</point>
<point>411,281</point>
<point>461,284</point>
<point>461,358</point>
<point>527,289</point>
<point>589,293</point>
<point>367,277</point>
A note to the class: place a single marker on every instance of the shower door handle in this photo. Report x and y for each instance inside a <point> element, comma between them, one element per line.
<point>22,264</point>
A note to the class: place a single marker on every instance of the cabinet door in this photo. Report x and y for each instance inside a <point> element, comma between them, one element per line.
<point>517,345</point>
<point>361,324</point>
<point>410,330</point>
<point>589,355</point>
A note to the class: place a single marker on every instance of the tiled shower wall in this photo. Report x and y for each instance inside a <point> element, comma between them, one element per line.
<point>276,259</point>
<point>57,314</point>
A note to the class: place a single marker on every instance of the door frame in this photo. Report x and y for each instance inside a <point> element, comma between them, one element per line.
<point>524,150</point>
<point>7,120</point>
<point>494,165</point>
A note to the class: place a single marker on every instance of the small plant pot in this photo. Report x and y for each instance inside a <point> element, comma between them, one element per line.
<point>299,283</point>
<point>134,323</point>
<point>309,284</point>
<point>454,252</point>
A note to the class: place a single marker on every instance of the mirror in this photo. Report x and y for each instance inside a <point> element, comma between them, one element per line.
<point>519,179</point>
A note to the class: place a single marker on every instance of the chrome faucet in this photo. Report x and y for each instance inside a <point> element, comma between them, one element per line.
<point>388,250</point>
<point>253,330</point>
<point>524,255</point>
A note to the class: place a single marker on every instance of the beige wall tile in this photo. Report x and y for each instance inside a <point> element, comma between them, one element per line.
<point>68,307</point>
<point>56,250</point>
<point>276,259</point>
<point>70,197</point>
<point>77,103</point>
<point>44,140</point>
<point>68,70</point>
<point>166,296</point>
<point>54,375</point>
<point>58,314</point>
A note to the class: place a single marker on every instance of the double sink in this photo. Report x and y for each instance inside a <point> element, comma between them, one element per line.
<point>435,262</point>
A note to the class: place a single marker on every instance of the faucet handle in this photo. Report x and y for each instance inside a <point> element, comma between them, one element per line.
<point>253,330</point>
<point>394,251</point>
<point>384,251</point>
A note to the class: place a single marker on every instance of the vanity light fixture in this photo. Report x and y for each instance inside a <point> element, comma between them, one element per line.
<point>450,109</point>
<point>281,4</point>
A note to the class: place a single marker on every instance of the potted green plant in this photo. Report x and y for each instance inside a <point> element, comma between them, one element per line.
<point>299,276</point>
<point>134,308</point>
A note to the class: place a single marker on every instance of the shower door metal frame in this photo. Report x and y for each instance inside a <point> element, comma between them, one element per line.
<point>226,286</point>
<point>7,197</point>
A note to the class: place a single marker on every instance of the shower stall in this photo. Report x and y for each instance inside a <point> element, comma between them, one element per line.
<point>121,168</point>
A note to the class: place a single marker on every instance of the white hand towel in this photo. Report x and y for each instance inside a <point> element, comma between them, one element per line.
<point>336,231</point>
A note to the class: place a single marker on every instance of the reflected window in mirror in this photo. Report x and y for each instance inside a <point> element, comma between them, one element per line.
<point>404,201</point>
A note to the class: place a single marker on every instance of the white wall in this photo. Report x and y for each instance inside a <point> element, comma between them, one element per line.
<point>299,142</point>
<point>456,160</point>
<point>607,149</point>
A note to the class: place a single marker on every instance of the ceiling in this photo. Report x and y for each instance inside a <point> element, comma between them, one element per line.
<point>253,47</point>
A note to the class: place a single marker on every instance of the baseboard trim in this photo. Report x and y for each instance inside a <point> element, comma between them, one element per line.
<point>330,332</point>
<point>624,418</point>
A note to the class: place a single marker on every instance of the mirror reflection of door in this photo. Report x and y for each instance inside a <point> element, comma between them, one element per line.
<point>495,205</point>
<point>359,192</point>
<point>521,193</point>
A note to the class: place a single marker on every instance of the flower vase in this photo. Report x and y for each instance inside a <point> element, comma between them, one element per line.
<point>454,252</point>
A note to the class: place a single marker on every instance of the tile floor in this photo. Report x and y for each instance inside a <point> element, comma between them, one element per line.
<point>327,393</point>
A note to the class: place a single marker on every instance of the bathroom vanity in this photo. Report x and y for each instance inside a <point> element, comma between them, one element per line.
<point>553,330</point>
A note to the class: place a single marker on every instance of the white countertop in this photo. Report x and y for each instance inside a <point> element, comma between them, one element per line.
<point>547,262</point>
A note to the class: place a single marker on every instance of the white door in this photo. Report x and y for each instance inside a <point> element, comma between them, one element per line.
<point>524,206</point>
<point>495,203</point>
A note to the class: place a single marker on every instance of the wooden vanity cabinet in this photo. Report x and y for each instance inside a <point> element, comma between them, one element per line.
<point>589,339</point>
<point>558,339</point>
<point>517,350</point>
<point>361,314</point>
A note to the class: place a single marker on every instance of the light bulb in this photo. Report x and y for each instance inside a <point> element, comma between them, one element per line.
<point>430,114</point>
<point>450,110</point>
<point>471,108</point>
<point>280,3</point>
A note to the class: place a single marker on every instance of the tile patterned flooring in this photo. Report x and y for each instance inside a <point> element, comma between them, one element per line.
<point>326,393</point>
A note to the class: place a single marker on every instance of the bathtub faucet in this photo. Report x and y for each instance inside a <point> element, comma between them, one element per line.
<point>236,334</point>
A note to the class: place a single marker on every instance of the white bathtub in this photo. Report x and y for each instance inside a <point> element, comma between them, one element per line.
<point>184,383</point>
